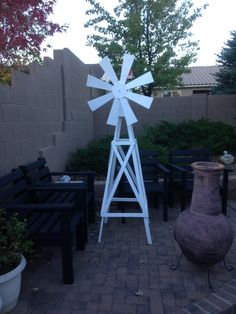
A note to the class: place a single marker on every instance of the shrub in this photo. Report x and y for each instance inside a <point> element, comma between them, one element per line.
<point>13,240</point>
<point>93,157</point>
<point>217,136</point>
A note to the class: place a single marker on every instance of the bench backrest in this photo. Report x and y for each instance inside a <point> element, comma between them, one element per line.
<point>37,172</point>
<point>185,158</point>
<point>149,162</point>
<point>13,188</point>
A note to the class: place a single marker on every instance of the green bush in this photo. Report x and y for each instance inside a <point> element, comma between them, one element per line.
<point>13,240</point>
<point>216,136</point>
<point>93,157</point>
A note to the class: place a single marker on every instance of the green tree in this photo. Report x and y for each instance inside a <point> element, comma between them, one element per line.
<point>226,77</point>
<point>156,32</point>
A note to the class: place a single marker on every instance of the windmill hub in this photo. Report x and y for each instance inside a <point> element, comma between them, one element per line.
<point>119,90</point>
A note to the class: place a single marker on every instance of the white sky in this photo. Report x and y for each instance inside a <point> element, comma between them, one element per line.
<point>212,30</point>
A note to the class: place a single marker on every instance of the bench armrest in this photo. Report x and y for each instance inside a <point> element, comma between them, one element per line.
<point>163,168</point>
<point>57,187</point>
<point>73,173</point>
<point>40,207</point>
<point>228,168</point>
<point>174,167</point>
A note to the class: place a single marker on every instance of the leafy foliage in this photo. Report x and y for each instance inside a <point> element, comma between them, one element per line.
<point>156,32</point>
<point>24,25</point>
<point>5,75</point>
<point>93,157</point>
<point>13,240</point>
<point>217,136</point>
<point>226,77</point>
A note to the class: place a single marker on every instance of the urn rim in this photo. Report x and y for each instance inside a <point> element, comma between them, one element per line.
<point>207,166</point>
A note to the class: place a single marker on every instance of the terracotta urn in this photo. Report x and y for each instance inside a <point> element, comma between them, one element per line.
<point>204,234</point>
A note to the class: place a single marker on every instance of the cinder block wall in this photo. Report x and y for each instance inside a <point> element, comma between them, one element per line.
<point>214,107</point>
<point>44,113</point>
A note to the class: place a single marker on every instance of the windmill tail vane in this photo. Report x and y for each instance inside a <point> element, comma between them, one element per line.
<point>119,90</point>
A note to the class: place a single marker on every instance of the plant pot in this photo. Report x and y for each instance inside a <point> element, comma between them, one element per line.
<point>10,284</point>
<point>204,234</point>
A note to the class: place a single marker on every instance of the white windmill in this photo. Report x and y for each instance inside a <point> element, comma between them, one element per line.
<point>128,159</point>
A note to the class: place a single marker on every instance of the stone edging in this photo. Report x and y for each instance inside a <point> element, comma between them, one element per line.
<point>221,301</point>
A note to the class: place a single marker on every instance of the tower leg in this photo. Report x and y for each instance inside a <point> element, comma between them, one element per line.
<point>147,229</point>
<point>100,231</point>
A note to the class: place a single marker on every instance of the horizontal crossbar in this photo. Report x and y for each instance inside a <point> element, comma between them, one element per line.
<point>121,142</point>
<point>130,215</point>
<point>124,199</point>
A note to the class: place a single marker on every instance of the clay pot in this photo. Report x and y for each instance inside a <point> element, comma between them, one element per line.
<point>204,234</point>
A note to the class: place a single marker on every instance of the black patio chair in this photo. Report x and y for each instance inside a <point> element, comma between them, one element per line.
<point>155,176</point>
<point>181,177</point>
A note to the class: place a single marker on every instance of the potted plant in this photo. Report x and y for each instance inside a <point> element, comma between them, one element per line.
<point>14,244</point>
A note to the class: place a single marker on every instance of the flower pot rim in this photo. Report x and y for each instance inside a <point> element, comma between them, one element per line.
<point>207,166</point>
<point>11,274</point>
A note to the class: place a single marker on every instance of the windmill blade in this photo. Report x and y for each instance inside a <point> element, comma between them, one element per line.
<point>105,63</point>
<point>98,102</point>
<point>126,67</point>
<point>114,113</point>
<point>141,80</point>
<point>142,100</point>
<point>128,112</point>
<point>93,81</point>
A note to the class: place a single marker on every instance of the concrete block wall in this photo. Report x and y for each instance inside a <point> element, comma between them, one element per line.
<point>77,123</point>
<point>44,113</point>
<point>30,112</point>
<point>176,109</point>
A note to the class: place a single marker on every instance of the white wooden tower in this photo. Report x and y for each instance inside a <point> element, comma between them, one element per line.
<point>124,155</point>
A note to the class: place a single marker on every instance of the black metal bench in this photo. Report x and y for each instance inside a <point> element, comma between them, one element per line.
<point>38,172</point>
<point>52,220</point>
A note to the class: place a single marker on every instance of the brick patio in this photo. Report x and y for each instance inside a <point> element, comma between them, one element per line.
<point>125,275</point>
